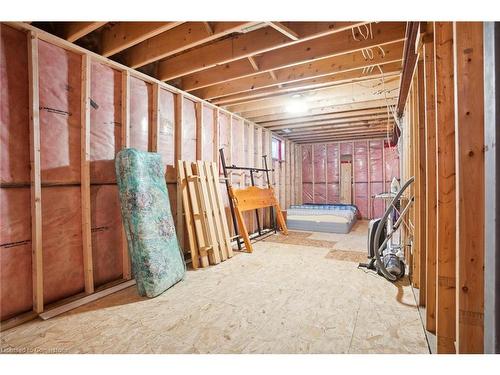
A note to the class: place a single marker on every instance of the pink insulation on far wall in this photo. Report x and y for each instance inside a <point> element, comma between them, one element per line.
<point>307,174</point>
<point>332,173</point>
<point>319,171</point>
<point>373,162</point>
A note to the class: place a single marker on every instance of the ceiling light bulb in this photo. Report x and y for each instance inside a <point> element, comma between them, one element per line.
<point>296,107</point>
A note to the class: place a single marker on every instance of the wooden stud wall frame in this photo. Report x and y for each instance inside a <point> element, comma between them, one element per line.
<point>156,123</point>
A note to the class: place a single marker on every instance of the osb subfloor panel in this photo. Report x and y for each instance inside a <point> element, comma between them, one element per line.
<point>283,298</point>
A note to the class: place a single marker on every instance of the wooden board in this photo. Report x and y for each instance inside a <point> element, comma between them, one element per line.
<point>253,198</point>
<point>446,203</point>
<point>469,129</point>
<point>346,183</point>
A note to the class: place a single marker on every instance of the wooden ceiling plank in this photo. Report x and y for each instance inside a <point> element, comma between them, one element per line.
<point>334,96</point>
<point>344,138</point>
<point>330,116</point>
<point>72,31</point>
<point>242,46</point>
<point>341,90</point>
<point>253,63</point>
<point>376,103</point>
<point>302,72</point>
<point>123,35</point>
<point>284,30</point>
<point>388,70</point>
<point>358,127</point>
<point>178,39</point>
<point>295,54</point>
<point>321,124</point>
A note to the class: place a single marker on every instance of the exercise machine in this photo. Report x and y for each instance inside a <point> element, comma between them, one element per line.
<point>385,253</point>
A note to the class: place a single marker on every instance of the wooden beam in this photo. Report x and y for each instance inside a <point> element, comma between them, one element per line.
<point>332,70</point>
<point>289,33</point>
<point>343,138</point>
<point>298,53</point>
<point>326,95</point>
<point>242,46</point>
<point>87,299</point>
<point>469,128</point>
<point>389,70</point>
<point>253,63</point>
<point>125,139</point>
<point>421,183</point>
<point>88,267</point>
<point>36,186</point>
<point>332,121</point>
<point>358,97</point>
<point>178,110</point>
<point>298,128</point>
<point>369,104</point>
<point>304,121</point>
<point>178,39</point>
<point>199,130</point>
<point>154,128</point>
<point>72,31</point>
<point>210,31</point>
<point>431,182</point>
<point>446,204</point>
<point>410,57</point>
<point>122,35</point>
<point>376,128</point>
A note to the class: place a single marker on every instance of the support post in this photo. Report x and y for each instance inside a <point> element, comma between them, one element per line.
<point>469,131</point>
<point>125,121</point>
<point>36,185</point>
<point>85,175</point>
<point>446,202</point>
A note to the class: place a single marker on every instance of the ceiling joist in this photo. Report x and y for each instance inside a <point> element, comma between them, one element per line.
<point>178,39</point>
<point>295,54</point>
<point>242,46</point>
<point>122,35</point>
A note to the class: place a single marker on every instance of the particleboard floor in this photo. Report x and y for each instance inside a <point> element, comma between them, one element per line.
<point>283,298</point>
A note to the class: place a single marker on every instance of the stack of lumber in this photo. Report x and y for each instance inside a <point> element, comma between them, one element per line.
<point>204,212</point>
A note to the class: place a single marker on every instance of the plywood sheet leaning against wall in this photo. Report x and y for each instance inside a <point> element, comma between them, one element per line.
<point>204,213</point>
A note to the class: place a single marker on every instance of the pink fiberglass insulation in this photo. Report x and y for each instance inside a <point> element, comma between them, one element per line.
<point>14,114</point>
<point>376,177</point>
<point>105,122</point>
<point>345,149</point>
<point>62,243</point>
<point>391,157</point>
<point>60,73</point>
<point>140,97</point>
<point>166,136</point>
<point>188,130</point>
<point>361,177</point>
<point>106,234</point>
<point>207,140</point>
<point>237,151</point>
<point>319,170</point>
<point>60,81</point>
<point>15,252</point>
<point>307,175</point>
<point>15,202</point>
<point>332,173</point>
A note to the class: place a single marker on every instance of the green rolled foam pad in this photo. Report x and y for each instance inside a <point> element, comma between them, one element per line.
<point>156,257</point>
